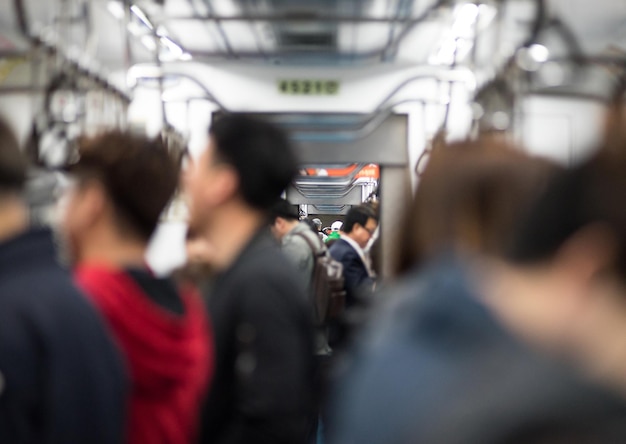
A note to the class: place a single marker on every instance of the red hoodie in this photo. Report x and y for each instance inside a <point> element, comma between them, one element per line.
<point>170,357</point>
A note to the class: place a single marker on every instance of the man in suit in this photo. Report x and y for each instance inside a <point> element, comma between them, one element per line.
<point>358,228</point>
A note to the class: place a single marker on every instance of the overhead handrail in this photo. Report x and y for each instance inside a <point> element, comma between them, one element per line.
<point>46,45</point>
<point>20,15</point>
<point>588,60</point>
<point>80,69</point>
<point>69,73</point>
<point>393,46</point>
<point>498,83</point>
<point>149,73</point>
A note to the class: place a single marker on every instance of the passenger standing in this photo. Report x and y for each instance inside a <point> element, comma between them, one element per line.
<point>295,238</point>
<point>123,183</point>
<point>334,235</point>
<point>300,245</point>
<point>358,229</point>
<point>62,379</point>
<point>359,278</point>
<point>318,225</point>
<point>262,392</point>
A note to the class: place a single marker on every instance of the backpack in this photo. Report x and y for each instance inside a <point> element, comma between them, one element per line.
<point>328,291</point>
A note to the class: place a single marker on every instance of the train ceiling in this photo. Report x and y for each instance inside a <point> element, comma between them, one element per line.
<point>307,31</point>
<point>113,35</point>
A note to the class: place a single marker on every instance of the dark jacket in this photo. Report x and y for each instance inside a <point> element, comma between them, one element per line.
<point>61,378</point>
<point>262,390</point>
<point>438,368</point>
<point>355,272</point>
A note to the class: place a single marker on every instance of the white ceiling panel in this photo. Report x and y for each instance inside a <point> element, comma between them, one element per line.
<point>243,37</point>
<point>195,35</point>
<point>598,23</point>
<point>179,7</point>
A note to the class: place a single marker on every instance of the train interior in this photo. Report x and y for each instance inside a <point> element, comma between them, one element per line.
<point>364,87</point>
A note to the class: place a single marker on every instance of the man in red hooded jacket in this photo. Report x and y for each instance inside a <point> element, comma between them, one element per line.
<point>122,184</point>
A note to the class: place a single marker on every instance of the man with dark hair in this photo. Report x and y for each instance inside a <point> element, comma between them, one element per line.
<point>123,183</point>
<point>61,377</point>
<point>358,228</point>
<point>317,222</point>
<point>300,244</point>
<point>295,237</point>
<point>262,392</point>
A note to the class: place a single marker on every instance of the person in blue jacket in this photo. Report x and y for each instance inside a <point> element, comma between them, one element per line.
<point>62,379</point>
<point>506,335</point>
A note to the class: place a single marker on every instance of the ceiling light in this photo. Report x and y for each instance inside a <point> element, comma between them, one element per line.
<point>143,26</point>
<point>469,18</point>
<point>141,16</point>
<point>172,47</point>
<point>162,31</point>
<point>116,9</point>
<point>500,121</point>
<point>531,58</point>
<point>138,72</point>
<point>148,42</point>
<point>486,14</point>
<point>465,19</point>
<point>226,8</point>
<point>446,53</point>
<point>539,53</point>
<point>135,28</point>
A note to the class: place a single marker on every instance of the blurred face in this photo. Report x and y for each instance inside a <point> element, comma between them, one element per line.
<point>275,230</point>
<point>195,183</point>
<point>79,210</point>
<point>208,185</point>
<point>363,233</point>
<point>280,227</point>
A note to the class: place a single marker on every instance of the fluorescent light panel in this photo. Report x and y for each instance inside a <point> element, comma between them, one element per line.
<point>116,9</point>
<point>469,18</point>
<point>141,16</point>
<point>175,52</point>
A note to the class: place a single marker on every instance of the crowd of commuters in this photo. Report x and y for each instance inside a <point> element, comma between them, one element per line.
<point>506,322</point>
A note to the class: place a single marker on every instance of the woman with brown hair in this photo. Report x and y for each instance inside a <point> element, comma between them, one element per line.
<point>476,349</point>
<point>470,199</point>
